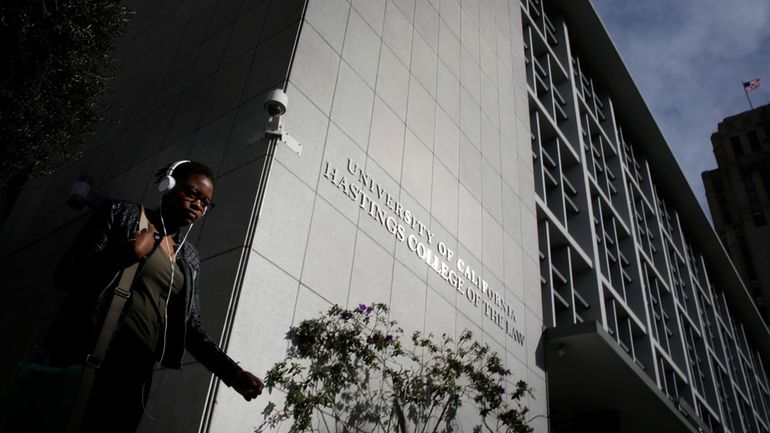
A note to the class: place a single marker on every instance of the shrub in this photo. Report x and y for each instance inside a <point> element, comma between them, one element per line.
<point>350,371</point>
<point>57,65</point>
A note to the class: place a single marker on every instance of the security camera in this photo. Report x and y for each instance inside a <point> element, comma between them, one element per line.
<point>275,105</point>
<point>276,102</point>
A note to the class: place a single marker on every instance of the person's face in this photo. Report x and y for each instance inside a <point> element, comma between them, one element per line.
<point>191,198</point>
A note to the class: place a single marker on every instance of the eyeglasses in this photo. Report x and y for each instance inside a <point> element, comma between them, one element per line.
<point>193,195</point>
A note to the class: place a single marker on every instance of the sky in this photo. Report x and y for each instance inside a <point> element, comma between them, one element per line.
<point>688,59</point>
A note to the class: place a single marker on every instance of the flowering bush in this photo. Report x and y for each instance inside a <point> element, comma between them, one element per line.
<point>349,371</point>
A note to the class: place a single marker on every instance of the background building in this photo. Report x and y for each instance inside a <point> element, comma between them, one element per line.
<point>513,135</point>
<point>738,193</point>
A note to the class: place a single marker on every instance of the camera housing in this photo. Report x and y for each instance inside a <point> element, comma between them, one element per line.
<point>276,102</point>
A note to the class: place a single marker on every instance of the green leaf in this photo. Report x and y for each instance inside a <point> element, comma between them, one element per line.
<point>351,365</point>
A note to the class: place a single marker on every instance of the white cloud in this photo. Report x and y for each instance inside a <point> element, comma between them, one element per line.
<point>688,58</point>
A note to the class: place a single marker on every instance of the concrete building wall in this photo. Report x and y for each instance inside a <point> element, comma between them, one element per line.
<point>428,99</point>
<point>191,86</point>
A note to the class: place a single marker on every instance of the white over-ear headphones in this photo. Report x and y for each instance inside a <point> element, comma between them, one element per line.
<point>167,182</point>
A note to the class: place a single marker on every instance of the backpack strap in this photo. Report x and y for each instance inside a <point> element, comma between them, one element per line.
<point>94,360</point>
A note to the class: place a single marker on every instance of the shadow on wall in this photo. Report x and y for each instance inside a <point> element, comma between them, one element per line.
<point>192,81</point>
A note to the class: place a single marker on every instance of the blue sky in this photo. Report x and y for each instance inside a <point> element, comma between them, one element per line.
<point>688,58</point>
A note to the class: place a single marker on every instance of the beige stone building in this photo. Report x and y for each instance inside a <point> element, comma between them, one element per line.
<point>738,193</point>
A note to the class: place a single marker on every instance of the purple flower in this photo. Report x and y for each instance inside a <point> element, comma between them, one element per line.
<point>388,338</point>
<point>364,309</point>
<point>504,371</point>
<point>345,315</point>
<point>500,390</point>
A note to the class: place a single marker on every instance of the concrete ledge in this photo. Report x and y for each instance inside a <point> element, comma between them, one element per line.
<point>588,373</point>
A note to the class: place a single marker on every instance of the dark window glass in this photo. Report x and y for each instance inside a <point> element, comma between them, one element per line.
<point>719,194</point>
<point>753,141</point>
<point>751,189</point>
<point>759,218</point>
<point>735,141</point>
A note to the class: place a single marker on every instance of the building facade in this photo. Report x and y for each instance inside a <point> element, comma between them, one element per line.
<point>623,243</point>
<point>738,192</point>
<point>507,132</point>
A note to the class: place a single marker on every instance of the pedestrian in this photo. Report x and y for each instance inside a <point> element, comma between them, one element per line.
<point>161,316</point>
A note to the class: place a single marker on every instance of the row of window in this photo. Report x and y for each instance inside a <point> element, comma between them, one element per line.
<point>737,145</point>
<point>613,251</point>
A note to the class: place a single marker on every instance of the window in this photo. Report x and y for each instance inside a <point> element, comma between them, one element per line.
<point>754,141</point>
<point>751,189</point>
<point>735,141</point>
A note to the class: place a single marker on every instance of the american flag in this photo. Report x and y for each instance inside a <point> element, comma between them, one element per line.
<point>748,86</point>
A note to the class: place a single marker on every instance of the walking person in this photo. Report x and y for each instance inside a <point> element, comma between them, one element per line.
<point>161,316</point>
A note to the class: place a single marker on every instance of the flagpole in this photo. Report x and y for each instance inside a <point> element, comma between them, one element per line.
<point>750,86</point>
<point>749,98</point>
<point>751,106</point>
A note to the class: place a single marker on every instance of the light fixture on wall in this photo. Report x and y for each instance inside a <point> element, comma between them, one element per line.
<point>81,193</point>
<point>276,103</point>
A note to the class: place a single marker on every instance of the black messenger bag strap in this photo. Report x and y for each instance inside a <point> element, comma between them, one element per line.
<point>94,360</point>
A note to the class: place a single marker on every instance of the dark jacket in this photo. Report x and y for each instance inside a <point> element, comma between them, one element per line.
<point>89,272</point>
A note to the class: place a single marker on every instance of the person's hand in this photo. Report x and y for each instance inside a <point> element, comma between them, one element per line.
<point>247,385</point>
<point>145,241</point>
